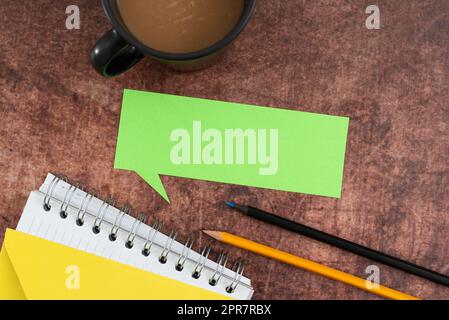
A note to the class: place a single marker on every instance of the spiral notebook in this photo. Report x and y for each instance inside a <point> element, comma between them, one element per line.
<point>61,215</point>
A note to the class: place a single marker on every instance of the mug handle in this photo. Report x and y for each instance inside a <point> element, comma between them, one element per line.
<point>112,55</point>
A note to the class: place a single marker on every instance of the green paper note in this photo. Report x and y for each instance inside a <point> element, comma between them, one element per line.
<point>234,143</point>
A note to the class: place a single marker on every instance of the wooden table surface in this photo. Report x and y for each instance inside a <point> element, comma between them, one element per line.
<point>57,115</point>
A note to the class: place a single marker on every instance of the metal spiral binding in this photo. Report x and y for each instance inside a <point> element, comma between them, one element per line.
<point>118,222</point>
<point>134,230</point>
<point>221,265</point>
<point>66,202</point>
<point>201,262</point>
<point>83,209</point>
<point>238,272</point>
<point>184,254</point>
<point>167,248</point>
<point>154,230</point>
<point>151,237</point>
<point>101,214</point>
<point>49,193</point>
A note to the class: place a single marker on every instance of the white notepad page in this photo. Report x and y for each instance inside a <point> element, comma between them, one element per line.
<point>49,225</point>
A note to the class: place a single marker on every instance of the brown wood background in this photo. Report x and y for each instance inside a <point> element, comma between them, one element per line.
<point>58,115</point>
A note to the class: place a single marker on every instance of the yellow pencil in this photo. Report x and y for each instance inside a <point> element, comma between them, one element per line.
<point>307,265</point>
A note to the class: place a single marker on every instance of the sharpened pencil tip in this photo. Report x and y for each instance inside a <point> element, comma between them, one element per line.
<point>236,206</point>
<point>213,234</point>
<point>230,204</point>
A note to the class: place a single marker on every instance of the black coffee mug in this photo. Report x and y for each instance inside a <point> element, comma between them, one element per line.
<point>118,50</point>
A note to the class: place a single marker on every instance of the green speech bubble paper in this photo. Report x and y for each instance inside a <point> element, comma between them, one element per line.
<point>230,143</point>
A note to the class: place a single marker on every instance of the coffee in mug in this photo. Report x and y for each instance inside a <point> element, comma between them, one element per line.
<point>182,34</point>
<point>180,26</point>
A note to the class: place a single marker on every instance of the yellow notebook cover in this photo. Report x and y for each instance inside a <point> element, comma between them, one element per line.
<point>35,268</point>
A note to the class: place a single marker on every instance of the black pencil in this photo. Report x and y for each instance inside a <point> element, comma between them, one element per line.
<point>342,243</point>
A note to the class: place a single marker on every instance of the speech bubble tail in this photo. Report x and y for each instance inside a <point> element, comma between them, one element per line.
<point>154,180</point>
